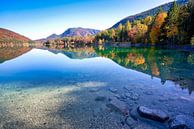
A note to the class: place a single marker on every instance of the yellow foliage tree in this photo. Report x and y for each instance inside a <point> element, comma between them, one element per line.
<point>155,29</point>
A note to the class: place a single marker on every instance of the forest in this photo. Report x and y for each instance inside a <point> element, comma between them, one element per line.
<point>174,27</point>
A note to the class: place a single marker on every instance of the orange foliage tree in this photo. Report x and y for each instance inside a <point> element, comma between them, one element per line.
<point>155,28</point>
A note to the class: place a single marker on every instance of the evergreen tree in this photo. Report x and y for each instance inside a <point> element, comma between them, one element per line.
<point>191,18</point>
<point>169,30</point>
<point>183,25</point>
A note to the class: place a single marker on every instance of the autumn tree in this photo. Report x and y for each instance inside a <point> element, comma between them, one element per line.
<point>127,28</point>
<point>170,30</point>
<point>192,40</point>
<point>137,33</point>
<point>119,33</point>
<point>148,20</point>
<point>112,34</point>
<point>156,26</point>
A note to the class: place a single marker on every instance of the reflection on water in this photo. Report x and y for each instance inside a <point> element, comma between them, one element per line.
<point>52,88</point>
<point>7,53</point>
<point>174,65</point>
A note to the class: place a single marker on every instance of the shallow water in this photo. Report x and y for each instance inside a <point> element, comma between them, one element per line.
<point>49,88</point>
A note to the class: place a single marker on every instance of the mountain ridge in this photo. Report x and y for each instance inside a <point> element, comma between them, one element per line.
<point>8,36</point>
<point>72,32</point>
<point>150,12</point>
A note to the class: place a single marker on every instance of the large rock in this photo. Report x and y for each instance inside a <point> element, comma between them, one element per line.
<point>153,114</point>
<point>182,122</point>
<point>119,105</point>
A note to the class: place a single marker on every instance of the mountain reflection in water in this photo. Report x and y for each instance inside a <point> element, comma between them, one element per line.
<point>173,65</point>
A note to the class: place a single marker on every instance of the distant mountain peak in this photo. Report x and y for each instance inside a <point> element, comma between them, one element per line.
<point>52,36</point>
<point>79,31</point>
<point>72,32</point>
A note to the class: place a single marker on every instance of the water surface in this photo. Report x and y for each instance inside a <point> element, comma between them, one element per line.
<point>57,88</point>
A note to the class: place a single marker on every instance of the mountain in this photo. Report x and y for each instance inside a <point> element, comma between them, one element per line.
<point>53,36</point>
<point>7,36</point>
<point>150,12</point>
<point>81,32</point>
<point>72,32</point>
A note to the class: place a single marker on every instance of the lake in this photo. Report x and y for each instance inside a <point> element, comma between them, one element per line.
<point>52,88</point>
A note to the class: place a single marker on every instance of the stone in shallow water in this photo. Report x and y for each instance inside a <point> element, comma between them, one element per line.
<point>140,125</point>
<point>100,98</point>
<point>94,90</point>
<point>132,96</point>
<point>153,114</point>
<point>148,92</point>
<point>131,122</point>
<point>119,105</point>
<point>127,88</point>
<point>113,90</point>
<point>182,122</point>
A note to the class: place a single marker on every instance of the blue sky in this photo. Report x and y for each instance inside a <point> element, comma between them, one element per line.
<point>40,18</point>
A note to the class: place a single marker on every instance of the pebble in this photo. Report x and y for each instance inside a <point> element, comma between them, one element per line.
<point>182,122</point>
<point>130,122</point>
<point>119,105</point>
<point>100,98</point>
<point>162,99</point>
<point>153,114</point>
<point>140,125</point>
<point>127,88</point>
<point>132,96</point>
<point>113,90</point>
<point>148,92</point>
<point>94,90</point>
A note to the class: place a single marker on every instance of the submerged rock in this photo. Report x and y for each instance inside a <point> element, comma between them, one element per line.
<point>113,90</point>
<point>153,114</point>
<point>100,98</point>
<point>182,122</point>
<point>127,88</point>
<point>148,92</point>
<point>132,96</point>
<point>131,122</point>
<point>119,105</point>
<point>94,90</point>
<point>140,125</point>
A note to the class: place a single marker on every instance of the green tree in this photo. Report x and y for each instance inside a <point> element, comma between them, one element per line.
<point>184,25</point>
<point>191,18</point>
<point>169,31</point>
